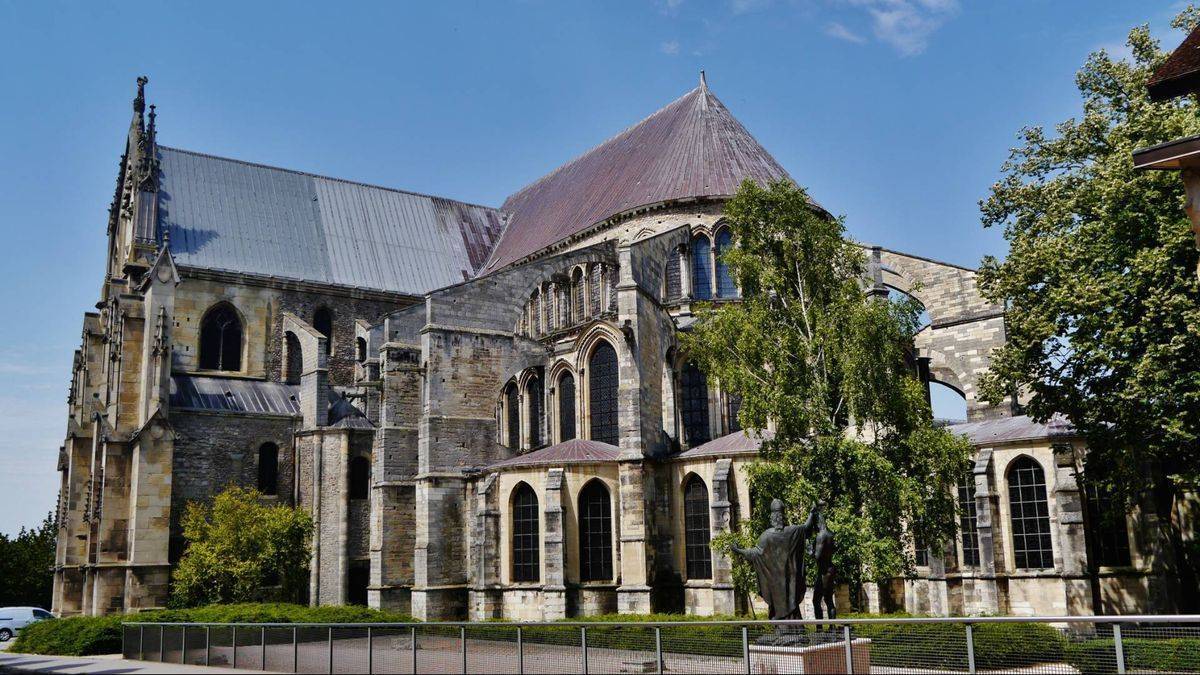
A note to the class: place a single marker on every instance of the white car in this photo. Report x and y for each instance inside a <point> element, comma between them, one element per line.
<point>13,619</point>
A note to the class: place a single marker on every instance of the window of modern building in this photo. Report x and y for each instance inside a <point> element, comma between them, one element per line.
<point>294,358</point>
<point>701,268</point>
<point>268,469</point>
<point>360,478</point>
<point>595,533</point>
<point>694,406</point>
<point>603,384</point>
<point>566,407</point>
<point>537,410</point>
<point>525,540</point>
<point>221,339</point>
<point>512,416</point>
<point>1109,535</point>
<point>1030,514</point>
<point>323,322</point>
<point>697,552</point>
<point>725,286</point>
<point>967,519</point>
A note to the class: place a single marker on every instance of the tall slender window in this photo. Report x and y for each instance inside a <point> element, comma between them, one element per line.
<point>1030,513</point>
<point>701,268</point>
<point>221,339</point>
<point>360,350</point>
<point>577,309</point>
<point>698,537</point>
<point>695,405</point>
<point>725,286</point>
<point>595,289</point>
<point>603,383</point>
<point>537,410</point>
<point>967,518</point>
<point>735,407</point>
<point>1106,524</point>
<point>323,322</point>
<point>595,533</point>
<point>525,540</point>
<point>512,414</point>
<point>360,478</point>
<point>535,314</point>
<point>674,277</point>
<point>294,358</point>
<point>566,407</point>
<point>268,469</point>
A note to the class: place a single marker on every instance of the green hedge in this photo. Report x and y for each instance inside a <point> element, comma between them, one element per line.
<point>997,645</point>
<point>83,636</point>
<point>1168,655</point>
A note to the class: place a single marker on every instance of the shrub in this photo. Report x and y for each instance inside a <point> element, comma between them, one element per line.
<point>83,636</point>
<point>1168,655</point>
<point>997,645</point>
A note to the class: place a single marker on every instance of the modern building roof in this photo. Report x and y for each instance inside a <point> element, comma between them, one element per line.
<point>574,451</point>
<point>232,215</point>
<point>737,443</point>
<point>1013,430</point>
<point>691,148</point>
<point>1180,73</point>
<point>230,394</point>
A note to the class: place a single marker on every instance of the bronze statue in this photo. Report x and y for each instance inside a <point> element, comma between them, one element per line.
<point>778,561</point>
<point>826,577</point>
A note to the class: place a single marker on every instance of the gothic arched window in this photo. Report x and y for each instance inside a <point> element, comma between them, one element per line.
<point>595,533</point>
<point>698,537</point>
<point>1030,514</point>
<point>566,407</point>
<point>525,540</point>
<point>535,315</point>
<point>512,416</point>
<point>701,268</point>
<point>360,477</point>
<point>967,518</point>
<point>672,278</point>
<point>268,469</point>
<point>537,409</point>
<point>323,322</point>
<point>577,308</point>
<point>603,383</point>
<point>294,358</point>
<point>725,286</point>
<point>221,339</point>
<point>594,290</point>
<point>360,350</point>
<point>695,405</point>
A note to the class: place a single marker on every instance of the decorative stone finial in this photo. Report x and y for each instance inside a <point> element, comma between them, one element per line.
<point>139,102</point>
<point>703,81</point>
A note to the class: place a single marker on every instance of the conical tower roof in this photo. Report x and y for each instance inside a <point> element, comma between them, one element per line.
<point>691,148</point>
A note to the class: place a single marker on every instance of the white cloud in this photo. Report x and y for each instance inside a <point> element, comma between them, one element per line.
<point>670,48</point>
<point>907,25</point>
<point>836,30</point>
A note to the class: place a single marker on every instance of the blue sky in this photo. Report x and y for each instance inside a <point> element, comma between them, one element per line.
<point>896,113</point>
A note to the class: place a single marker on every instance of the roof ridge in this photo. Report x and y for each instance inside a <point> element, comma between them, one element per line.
<point>310,174</point>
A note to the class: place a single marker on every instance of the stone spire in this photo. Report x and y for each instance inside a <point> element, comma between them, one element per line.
<point>139,102</point>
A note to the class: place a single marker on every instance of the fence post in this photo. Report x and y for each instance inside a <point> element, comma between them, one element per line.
<point>234,664</point>
<point>183,647</point>
<point>413,629</point>
<point>520,652</point>
<point>331,649</point>
<point>141,643</point>
<point>849,649</point>
<point>971,649</point>
<point>1120,647</point>
<point>295,650</point>
<point>370,651</point>
<point>658,659</point>
<point>462,634</point>
<point>263,662</point>
<point>746,648</point>
<point>207,644</point>
<point>583,643</point>
<point>162,639</point>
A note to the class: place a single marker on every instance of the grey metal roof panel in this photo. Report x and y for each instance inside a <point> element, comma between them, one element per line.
<point>1014,429</point>
<point>228,394</point>
<point>231,215</point>
<point>574,451</point>
<point>737,443</point>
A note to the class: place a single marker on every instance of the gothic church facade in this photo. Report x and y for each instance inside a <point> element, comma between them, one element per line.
<point>485,410</point>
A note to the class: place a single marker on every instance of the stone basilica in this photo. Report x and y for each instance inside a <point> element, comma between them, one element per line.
<point>485,410</point>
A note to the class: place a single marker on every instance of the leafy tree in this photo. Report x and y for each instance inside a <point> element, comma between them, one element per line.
<point>811,351</point>
<point>1100,282</point>
<point>240,549</point>
<point>26,566</point>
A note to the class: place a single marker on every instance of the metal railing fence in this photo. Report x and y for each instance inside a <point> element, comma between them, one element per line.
<point>1061,644</point>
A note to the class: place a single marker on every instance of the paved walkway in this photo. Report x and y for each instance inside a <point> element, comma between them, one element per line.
<point>19,663</point>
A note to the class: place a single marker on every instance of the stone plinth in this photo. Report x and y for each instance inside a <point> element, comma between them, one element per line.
<point>826,658</point>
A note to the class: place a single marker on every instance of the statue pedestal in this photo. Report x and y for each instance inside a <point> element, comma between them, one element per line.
<point>825,658</point>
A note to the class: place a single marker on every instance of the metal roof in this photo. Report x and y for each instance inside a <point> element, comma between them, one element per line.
<point>1014,429</point>
<point>737,443</point>
<point>574,451</point>
<point>691,148</point>
<point>231,215</point>
<point>229,394</point>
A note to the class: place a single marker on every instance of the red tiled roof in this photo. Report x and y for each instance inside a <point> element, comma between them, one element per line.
<point>691,148</point>
<point>737,443</point>
<point>574,451</point>
<point>1180,73</point>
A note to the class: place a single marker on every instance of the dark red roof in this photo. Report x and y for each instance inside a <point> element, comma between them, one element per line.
<point>1180,73</point>
<point>574,451</point>
<point>692,148</point>
<point>737,443</point>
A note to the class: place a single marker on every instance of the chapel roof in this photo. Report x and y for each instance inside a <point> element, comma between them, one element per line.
<point>693,147</point>
<point>226,214</point>
<point>737,443</point>
<point>1014,429</point>
<point>574,451</point>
